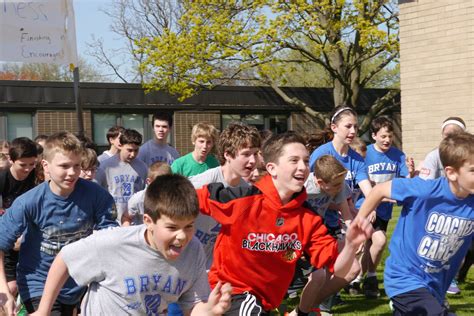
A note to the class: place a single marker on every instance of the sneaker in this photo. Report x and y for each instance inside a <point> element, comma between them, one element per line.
<point>353,289</point>
<point>371,287</point>
<point>453,288</point>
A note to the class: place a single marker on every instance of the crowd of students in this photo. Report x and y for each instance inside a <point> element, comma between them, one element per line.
<point>264,216</point>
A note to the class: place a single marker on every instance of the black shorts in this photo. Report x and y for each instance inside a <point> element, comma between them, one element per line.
<point>10,261</point>
<point>246,304</point>
<point>380,224</point>
<point>418,302</point>
<point>59,309</point>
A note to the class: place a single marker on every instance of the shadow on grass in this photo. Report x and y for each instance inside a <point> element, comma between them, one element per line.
<point>359,305</point>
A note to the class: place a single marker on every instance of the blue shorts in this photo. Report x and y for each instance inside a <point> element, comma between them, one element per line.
<point>418,302</point>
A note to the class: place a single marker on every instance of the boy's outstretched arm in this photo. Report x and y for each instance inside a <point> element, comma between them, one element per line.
<point>57,276</point>
<point>377,194</point>
<point>359,231</point>
<point>218,303</point>
<point>7,299</point>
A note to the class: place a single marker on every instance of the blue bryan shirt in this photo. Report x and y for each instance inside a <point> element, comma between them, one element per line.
<point>431,238</point>
<point>383,167</point>
<point>49,222</point>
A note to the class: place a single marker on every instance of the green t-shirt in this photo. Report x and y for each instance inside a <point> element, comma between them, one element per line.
<point>188,167</point>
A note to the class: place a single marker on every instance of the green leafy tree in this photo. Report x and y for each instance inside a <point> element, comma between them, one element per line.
<point>221,41</point>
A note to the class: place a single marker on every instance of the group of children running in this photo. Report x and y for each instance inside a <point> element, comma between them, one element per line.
<point>230,234</point>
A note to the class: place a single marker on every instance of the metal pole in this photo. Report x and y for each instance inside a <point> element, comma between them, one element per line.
<point>77,100</point>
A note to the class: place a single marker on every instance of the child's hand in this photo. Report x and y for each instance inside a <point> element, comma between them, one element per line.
<point>7,302</point>
<point>360,230</point>
<point>220,298</point>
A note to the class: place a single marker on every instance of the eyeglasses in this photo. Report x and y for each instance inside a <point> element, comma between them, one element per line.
<point>89,170</point>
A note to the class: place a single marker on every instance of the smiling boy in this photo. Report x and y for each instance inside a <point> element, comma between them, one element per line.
<point>52,215</point>
<point>438,217</point>
<point>140,270</point>
<point>237,150</point>
<point>267,227</point>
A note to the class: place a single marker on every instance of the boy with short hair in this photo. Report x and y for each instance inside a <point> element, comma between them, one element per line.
<point>237,150</point>
<point>14,181</point>
<point>134,213</point>
<point>384,162</point>
<point>267,227</point>
<point>434,231</point>
<point>51,215</point>
<point>139,270</point>
<point>123,174</point>
<point>157,149</point>
<point>325,186</point>
<point>113,138</point>
<point>203,137</point>
<point>89,164</point>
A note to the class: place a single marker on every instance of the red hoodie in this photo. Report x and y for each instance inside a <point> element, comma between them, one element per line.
<point>261,239</point>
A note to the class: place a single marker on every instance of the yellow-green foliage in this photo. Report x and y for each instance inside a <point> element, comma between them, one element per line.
<point>220,40</point>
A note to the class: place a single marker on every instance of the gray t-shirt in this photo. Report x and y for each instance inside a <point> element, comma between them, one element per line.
<point>208,228</point>
<point>320,200</point>
<point>128,277</point>
<point>122,179</point>
<point>136,207</point>
<point>151,152</point>
<point>432,167</point>
<point>104,156</point>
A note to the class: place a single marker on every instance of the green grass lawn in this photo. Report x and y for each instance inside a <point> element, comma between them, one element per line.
<point>462,304</point>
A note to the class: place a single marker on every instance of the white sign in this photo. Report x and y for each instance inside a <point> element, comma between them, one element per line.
<point>41,31</point>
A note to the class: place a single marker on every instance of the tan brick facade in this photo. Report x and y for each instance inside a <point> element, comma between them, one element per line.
<point>183,124</point>
<point>437,69</point>
<point>49,122</point>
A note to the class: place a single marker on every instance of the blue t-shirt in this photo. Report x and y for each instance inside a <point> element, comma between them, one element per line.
<point>49,222</point>
<point>356,171</point>
<point>431,238</point>
<point>383,167</point>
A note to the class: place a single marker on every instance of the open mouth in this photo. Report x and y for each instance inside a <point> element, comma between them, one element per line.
<point>175,250</point>
<point>299,178</point>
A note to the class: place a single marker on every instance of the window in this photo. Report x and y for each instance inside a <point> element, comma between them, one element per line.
<point>19,125</point>
<point>103,121</point>
<point>275,123</point>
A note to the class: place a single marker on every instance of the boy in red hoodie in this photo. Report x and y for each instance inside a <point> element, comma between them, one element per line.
<point>267,227</point>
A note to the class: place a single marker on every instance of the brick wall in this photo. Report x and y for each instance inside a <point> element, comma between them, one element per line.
<point>437,63</point>
<point>49,122</point>
<point>183,124</point>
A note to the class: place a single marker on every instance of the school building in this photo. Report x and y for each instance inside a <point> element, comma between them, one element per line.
<point>30,108</point>
<point>437,69</point>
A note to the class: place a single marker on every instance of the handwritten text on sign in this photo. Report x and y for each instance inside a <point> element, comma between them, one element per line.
<point>37,31</point>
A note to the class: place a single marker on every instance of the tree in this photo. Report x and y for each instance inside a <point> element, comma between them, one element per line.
<point>48,72</point>
<point>131,21</point>
<point>219,41</point>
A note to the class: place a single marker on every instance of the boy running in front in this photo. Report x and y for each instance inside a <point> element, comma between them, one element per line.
<point>267,227</point>
<point>438,219</point>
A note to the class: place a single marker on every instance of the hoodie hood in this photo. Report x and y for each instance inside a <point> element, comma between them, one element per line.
<point>267,187</point>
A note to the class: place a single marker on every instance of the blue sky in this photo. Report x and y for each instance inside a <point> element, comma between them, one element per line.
<point>91,20</point>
